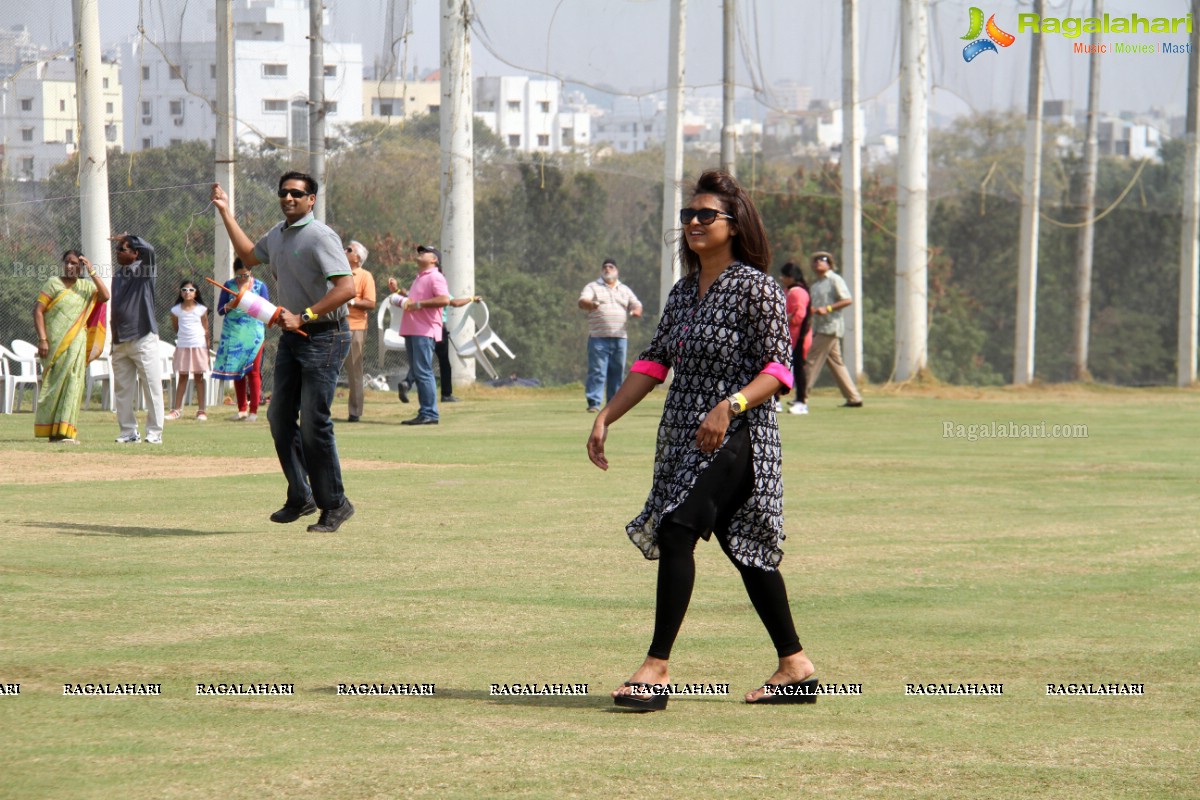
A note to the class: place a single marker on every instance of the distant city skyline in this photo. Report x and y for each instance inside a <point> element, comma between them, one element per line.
<point>621,44</point>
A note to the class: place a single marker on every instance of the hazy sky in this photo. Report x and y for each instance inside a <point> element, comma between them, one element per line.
<point>623,43</point>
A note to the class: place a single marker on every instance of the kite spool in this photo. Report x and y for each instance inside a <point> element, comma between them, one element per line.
<point>253,305</point>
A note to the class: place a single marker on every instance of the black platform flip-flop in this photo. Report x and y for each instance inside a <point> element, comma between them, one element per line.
<point>778,694</point>
<point>648,697</point>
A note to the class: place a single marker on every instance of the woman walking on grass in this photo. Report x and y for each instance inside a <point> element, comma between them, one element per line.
<point>718,462</point>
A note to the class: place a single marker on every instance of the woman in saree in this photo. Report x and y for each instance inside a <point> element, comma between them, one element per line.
<point>239,354</point>
<point>69,318</point>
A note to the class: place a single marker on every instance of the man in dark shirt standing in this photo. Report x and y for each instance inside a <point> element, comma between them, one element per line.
<point>135,350</point>
<point>314,283</point>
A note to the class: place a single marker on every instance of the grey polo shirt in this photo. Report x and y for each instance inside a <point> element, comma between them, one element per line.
<point>825,292</point>
<point>133,314</point>
<point>304,257</point>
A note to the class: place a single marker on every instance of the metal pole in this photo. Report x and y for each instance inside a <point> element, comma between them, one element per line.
<point>316,102</point>
<point>673,158</point>
<point>223,172</point>
<point>93,150</point>
<point>1189,251</point>
<point>1087,234</point>
<point>852,351</point>
<point>912,179</point>
<point>458,167</point>
<point>728,154</point>
<point>1023,355</point>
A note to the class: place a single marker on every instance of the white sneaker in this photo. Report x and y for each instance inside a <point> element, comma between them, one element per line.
<point>152,439</point>
<point>798,408</point>
<point>252,418</point>
<point>131,438</point>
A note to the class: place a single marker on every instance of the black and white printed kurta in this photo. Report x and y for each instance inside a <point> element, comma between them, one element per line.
<point>717,345</point>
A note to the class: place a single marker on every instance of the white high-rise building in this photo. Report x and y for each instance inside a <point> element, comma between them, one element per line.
<point>170,94</point>
<point>528,116</point>
<point>39,116</point>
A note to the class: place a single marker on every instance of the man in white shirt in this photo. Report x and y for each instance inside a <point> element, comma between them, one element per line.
<point>607,302</point>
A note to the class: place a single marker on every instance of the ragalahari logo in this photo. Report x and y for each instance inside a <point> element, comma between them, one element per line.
<point>995,36</point>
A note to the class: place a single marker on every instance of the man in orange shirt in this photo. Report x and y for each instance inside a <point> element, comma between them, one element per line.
<point>362,302</point>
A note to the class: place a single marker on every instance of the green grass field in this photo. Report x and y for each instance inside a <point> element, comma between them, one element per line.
<point>489,550</point>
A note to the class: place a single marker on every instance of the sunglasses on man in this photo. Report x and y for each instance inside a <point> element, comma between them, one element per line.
<point>299,194</point>
<point>705,216</point>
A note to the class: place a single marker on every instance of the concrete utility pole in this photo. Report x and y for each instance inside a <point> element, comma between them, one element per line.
<point>1031,195</point>
<point>458,167</point>
<point>1189,250</point>
<point>912,178</point>
<point>1087,233</point>
<point>223,172</point>
<point>316,101</point>
<point>851,260</point>
<point>93,150</point>
<point>728,139</point>
<point>673,158</point>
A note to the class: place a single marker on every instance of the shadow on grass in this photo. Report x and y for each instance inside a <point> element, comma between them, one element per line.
<point>480,695</point>
<point>89,529</point>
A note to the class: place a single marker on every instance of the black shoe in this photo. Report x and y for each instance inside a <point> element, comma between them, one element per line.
<point>402,390</point>
<point>332,518</point>
<point>352,418</point>
<point>420,421</point>
<point>450,399</point>
<point>645,697</point>
<point>852,405</point>
<point>291,513</point>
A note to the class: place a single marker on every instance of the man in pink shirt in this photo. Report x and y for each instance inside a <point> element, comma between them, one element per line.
<point>421,328</point>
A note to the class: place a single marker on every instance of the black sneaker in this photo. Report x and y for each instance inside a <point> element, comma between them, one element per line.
<point>352,418</point>
<point>852,405</point>
<point>402,390</point>
<point>332,518</point>
<point>450,399</point>
<point>420,421</point>
<point>291,513</point>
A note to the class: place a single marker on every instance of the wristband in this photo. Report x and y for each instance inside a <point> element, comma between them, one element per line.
<point>828,309</point>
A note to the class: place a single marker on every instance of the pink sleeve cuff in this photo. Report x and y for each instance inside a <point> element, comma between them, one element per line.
<point>651,368</point>
<point>779,372</point>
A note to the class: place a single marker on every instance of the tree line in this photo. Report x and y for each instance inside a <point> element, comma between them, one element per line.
<point>543,226</point>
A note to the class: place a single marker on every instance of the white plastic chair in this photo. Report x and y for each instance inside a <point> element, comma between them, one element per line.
<point>484,344</point>
<point>23,370</point>
<point>100,371</point>
<point>389,334</point>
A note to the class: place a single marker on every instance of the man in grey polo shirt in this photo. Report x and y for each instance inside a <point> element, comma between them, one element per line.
<point>829,295</point>
<point>314,284</point>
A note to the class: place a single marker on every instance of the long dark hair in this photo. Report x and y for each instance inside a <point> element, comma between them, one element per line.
<point>195,295</point>
<point>793,271</point>
<point>750,246</point>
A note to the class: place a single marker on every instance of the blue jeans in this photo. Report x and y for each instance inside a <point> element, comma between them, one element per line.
<point>420,356</point>
<point>606,366</point>
<point>306,373</point>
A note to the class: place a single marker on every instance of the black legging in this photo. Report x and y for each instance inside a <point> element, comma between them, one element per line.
<point>717,494</point>
<point>442,351</point>
<point>800,371</point>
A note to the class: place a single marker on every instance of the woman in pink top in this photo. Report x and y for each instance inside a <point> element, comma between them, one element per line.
<point>799,315</point>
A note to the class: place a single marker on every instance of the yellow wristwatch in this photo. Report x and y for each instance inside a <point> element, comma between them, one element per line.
<point>737,403</point>
<point>308,315</point>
